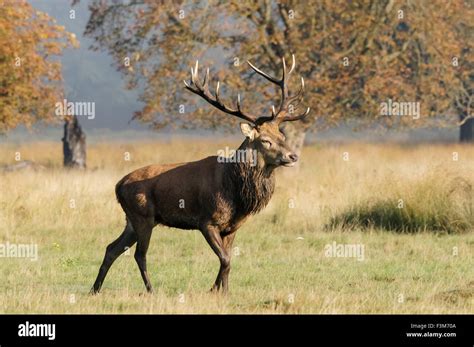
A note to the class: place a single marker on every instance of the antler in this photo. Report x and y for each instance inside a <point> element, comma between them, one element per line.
<point>282,114</point>
<point>202,89</point>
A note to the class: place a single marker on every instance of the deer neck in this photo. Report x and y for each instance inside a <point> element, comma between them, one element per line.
<point>250,180</point>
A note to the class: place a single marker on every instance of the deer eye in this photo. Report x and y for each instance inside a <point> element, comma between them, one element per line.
<point>266,143</point>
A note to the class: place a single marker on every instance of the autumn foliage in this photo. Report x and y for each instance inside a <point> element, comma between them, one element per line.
<point>30,75</point>
<point>353,55</point>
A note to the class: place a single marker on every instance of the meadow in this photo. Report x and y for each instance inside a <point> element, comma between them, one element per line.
<point>408,208</point>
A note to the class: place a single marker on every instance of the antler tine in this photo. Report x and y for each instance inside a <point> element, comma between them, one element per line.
<point>284,78</point>
<point>293,64</point>
<point>292,119</point>
<point>238,102</point>
<point>217,91</point>
<point>284,68</point>
<point>260,72</point>
<point>205,84</point>
<point>194,73</point>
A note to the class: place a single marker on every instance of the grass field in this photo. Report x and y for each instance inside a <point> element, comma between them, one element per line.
<point>409,208</point>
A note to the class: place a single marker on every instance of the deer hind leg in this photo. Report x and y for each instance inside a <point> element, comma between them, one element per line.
<point>143,229</point>
<point>126,240</point>
<point>213,237</point>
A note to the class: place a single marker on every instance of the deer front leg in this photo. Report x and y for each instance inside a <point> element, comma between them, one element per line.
<point>222,280</point>
<point>228,240</point>
<point>213,237</point>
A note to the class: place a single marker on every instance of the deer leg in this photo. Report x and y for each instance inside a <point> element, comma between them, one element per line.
<point>228,240</point>
<point>213,237</point>
<point>144,234</point>
<point>126,240</point>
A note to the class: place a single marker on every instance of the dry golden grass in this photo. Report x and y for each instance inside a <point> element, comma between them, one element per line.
<point>279,263</point>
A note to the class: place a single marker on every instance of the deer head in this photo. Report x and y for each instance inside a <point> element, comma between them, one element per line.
<point>263,133</point>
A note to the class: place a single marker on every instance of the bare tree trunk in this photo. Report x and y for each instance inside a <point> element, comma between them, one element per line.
<point>466,131</point>
<point>295,133</point>
<point>74,144</point>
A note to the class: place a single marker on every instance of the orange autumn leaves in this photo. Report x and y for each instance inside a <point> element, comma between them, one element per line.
<point>354,55</point>
<point>30,76</point>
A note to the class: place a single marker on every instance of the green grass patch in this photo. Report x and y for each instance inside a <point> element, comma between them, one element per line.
<point>414,207</point>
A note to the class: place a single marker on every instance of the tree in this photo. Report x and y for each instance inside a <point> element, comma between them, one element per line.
<point>354,56</point>
<point>463,95</point>
<point>74,144</point>
<point>30,76</point>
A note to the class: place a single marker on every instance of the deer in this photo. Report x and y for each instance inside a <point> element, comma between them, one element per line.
<point>213,196</point>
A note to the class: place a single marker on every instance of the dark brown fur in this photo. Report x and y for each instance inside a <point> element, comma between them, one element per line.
<point>250,187</point>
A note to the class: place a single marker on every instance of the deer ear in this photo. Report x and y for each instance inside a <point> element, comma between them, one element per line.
<point>248,130</point>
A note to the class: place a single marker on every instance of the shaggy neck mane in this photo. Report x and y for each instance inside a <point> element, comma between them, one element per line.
<point>251,186</point>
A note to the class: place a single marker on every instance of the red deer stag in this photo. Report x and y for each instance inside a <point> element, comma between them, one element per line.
<point>213,196</point>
